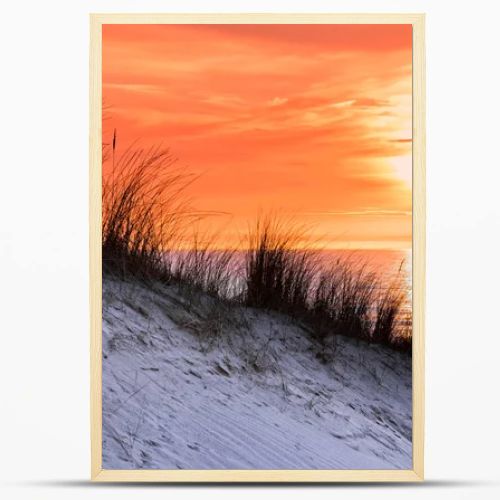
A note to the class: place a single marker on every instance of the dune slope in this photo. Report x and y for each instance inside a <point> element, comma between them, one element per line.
<point>191,384</point>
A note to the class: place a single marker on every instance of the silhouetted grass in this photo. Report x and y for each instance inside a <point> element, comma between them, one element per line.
<point>204,268</point>
<point>146,216</point>
<point>392,327</point>
<point>143,212</point>
<point>386,314</point>
<point>342,299</point>
<point>146,219</point>
<point>278,276</point>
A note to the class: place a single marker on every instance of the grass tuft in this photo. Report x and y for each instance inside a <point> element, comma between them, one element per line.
<point>144,213</point>
<point>278,276</point>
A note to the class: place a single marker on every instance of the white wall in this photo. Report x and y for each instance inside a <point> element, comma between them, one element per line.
<point>43,246</point>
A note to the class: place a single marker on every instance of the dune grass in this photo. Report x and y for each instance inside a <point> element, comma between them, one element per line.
<point>204,268</point>
<point>147,221</point>
<point>147,217</point>
<point>278,276</point>
<point>144,213</point>
<point>342,298</point>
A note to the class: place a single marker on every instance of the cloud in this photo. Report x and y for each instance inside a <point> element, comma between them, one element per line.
<point>371,102</point>
<point>224,100</point>
<point>367,212</point>
<point>277,101</point>
<point>343,104</point>
<point>134,87</point>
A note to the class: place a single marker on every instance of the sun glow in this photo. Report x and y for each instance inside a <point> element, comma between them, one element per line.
<point>402,168</point>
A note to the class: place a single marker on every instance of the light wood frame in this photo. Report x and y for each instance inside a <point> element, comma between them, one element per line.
<point>418,283</point>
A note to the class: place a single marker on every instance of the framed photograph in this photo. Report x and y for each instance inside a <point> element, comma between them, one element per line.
<point>257,247</point>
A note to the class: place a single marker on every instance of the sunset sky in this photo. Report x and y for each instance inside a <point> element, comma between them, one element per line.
<point>310,120</point>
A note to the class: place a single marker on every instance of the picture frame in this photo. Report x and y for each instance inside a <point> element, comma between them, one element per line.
<point>416,473</point>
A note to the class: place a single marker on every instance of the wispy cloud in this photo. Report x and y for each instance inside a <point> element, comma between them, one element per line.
<point>134,87</point>
<point>224,100</point>
<point>277,101</point>
<point>343,104</point>
<point>370,212</point>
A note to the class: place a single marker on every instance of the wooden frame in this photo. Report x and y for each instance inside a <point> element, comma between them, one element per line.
<point>415,474</point>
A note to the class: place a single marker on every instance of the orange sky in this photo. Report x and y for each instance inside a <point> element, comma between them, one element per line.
<point>313,120</point>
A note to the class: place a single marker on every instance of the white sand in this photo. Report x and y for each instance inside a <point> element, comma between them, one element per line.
<point>252,396</point>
